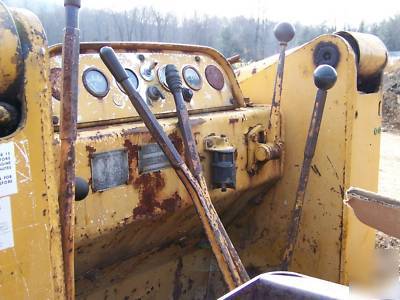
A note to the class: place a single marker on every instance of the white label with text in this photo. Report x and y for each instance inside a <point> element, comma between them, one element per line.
<point>8,177</point>
<point>6,229</point>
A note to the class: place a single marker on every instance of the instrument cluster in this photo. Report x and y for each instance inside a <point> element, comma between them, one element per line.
<point>97,84</point>
<point>207,85</point>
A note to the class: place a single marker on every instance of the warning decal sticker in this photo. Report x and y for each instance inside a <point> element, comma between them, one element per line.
<point>6,229</point>
<point>8,177</point>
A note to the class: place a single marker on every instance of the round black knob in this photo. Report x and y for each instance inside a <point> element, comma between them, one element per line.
<point>325,77</point>
<point>187,94</point>
<point>81,189</point>
<point>154,93</point>
<point>284,32</point>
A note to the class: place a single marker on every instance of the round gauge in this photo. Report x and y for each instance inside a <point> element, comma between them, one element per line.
<point>161,77</point>
<point>55,80</point>
<point>132,77</point>
<point>214,77</point>
<point>192,78</point>
<point>96,82</point>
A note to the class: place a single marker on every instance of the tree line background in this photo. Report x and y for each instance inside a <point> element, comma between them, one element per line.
<point>252,38</point>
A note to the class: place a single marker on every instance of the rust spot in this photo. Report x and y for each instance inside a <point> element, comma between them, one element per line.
<point>177,141</point>
<point>90,149</point>
<point>233,120</point>
<point>172,203</point>
<point>149,185</point>
<point>254,71</point>
<point>132,158</point>
<point>56,82</point>
<point>177,282</point>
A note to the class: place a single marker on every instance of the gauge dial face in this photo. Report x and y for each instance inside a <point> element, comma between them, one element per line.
<point>96,82</point>
<point>192,78</point>
<point>161,77</point>
<point>133,79</point>
<point>214,77</point>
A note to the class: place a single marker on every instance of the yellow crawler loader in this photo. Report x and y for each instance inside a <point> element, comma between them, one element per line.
<point>132,170</point>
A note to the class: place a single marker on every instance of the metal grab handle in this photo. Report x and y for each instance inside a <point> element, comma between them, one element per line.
<point>324,78</point>
<point>228,261</point>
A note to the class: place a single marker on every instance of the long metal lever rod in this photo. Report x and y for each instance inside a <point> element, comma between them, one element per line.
<point>324,78</point>
<point>192,157</point>
<point>68,130</point>
<point>284,33</point>
<point>228,261</point>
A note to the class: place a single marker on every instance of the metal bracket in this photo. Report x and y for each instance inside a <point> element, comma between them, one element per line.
<point>217,143</point>
<point>258,151</point>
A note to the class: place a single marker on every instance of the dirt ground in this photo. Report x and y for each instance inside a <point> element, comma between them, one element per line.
<point>389,179</point>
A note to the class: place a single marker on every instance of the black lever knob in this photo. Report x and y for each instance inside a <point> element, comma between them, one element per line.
<point>284,32</point>
<point>173,79</point>
<point>154,93</point>
<point>325,77</point>
<point>111,61</point>
<point>187,94</point>
<point>81,188</point>
<point>76,3</point>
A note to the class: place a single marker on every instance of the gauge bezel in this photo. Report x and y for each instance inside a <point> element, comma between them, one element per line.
<point>163,84</point>
<point>211,82</point>
<point>85,83</point>
<point>137,77</point>
<point>198,73</point>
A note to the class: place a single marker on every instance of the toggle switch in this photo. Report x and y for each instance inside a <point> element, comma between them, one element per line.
<point>154,93</point>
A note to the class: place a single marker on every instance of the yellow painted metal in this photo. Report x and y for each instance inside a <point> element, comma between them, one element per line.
<point>371,52</point>
<point>11,58</point>
<point>143,239</point>
<point>143,214</point>
<point>32,269</point>
<point>333,245</point>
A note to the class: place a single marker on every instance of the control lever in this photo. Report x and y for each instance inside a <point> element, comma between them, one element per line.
<point>68,133</point>
<point>284,33</point>
<point>192,157</point>
<point>227,258</point>
<point>324,78</point>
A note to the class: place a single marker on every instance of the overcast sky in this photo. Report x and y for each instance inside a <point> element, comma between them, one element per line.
<point>334,12</point>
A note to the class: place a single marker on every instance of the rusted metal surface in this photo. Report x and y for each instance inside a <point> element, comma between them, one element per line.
<point>234,59</point>
<point>68,133</point>
<point>56,82</point>
<point>324,78</point>
<point>274,120</point>
<point>224,251</point>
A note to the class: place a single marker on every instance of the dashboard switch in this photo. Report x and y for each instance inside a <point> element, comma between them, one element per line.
<point>187,94</point>
<point>154,94</point>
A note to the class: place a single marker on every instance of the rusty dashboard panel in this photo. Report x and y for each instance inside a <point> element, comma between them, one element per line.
<point>153,208</point>
<point>208,79</point>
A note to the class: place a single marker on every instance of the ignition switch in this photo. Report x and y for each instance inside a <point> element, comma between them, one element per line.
<point>147,71</point>
<point>154,94</point>
<point>223,166</point>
